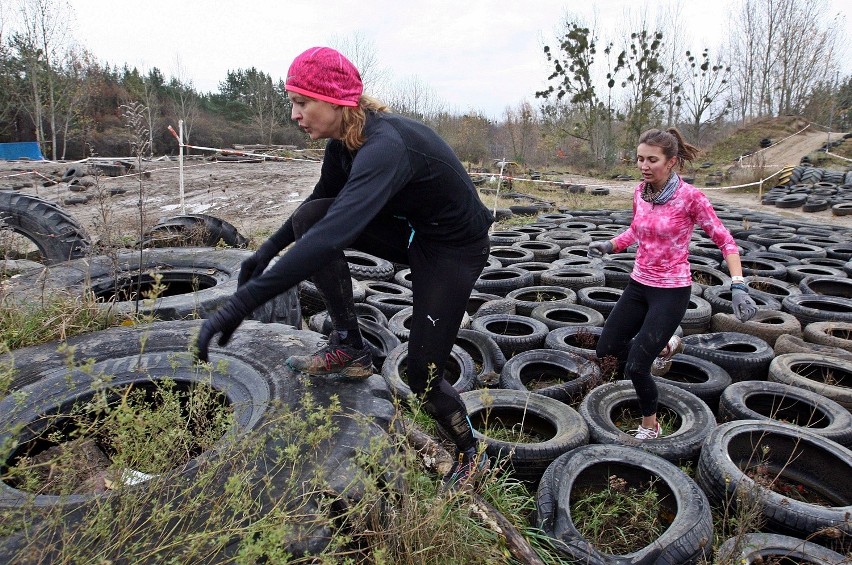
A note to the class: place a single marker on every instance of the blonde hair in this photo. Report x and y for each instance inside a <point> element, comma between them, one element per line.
<point>354,118</point>
<point>672,143</point>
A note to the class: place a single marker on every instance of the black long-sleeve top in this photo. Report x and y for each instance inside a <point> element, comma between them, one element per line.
<point>403,169</point>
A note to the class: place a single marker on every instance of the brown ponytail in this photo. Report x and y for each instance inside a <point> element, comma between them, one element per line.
<point>672,143</point>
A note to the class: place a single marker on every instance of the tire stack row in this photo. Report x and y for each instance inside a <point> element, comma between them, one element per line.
<point>779,381</point>
<point>814,189</point>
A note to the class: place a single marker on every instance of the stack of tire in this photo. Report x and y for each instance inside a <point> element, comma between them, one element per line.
<point>814,189</point>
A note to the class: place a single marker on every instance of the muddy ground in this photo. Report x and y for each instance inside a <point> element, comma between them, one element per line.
<point>257,197</point>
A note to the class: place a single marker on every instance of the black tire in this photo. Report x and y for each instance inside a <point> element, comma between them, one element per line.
<point>363,266</point>
<point>841,251</point>
<point>527,299</point>
<point>794,406</point>
<point>708,276</point>
<point>389,288</point>
<point>600,298</point>
<point>687,540</point>
<point>559,427</point>
<point>696,319</point>
<point>390,304</point>
<point>565,238</point>
<point>797,273</point>
<point>511,332</point>
<point>719,298</point>
<point>57,235</point>
<point>828,286</point>
<point>562,315</point>
<point>542,250</point>
<point>321,322</point>
<point>477,299</point>
<point>842,209</point>
<point>767,325</point>
<point>779,453</point>
<point>573,277</point>
<point>498,306</point>
<point>762,267</point>
<point>818,308</point>
<point>508,255</point>
<point>486,355</point>
<point>379,339</point>
<point>507,237</point>
<point>743,356</point>
<point>198,281</point>
<point>793,344</point>
<point>828,376</point>
<point>312,301</point>
<point>557,374</point>
<point>459,371</point>
<point>698,376</point>
<point>256,383</point>
<point>193,230</point>
<point>536,268</point>
<point>815,205</point>
<point>776,288</point>
<point>756,548</point>
<point>579,340</point>
<point>833,334</point>
<point>616,273</point>
<point>797,249</point>
<point>600,409</point>
<point>500,281</point>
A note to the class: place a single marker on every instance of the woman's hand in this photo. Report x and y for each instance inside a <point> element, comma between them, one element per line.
<point>743,304</point>
<point>598,249</point>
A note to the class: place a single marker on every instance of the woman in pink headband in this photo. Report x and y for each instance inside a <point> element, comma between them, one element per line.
<point>391,187</point>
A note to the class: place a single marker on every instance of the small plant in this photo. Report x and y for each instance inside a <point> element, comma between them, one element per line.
<point>619,518</point>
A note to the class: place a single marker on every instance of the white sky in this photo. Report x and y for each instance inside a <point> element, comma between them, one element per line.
<point>474,54</point>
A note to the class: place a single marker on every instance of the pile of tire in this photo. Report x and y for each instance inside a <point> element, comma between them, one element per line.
<point>536,312</point>
<point>250,375</point>
<point>814,189</point>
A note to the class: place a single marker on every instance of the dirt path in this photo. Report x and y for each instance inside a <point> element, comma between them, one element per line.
<point>790,151</point>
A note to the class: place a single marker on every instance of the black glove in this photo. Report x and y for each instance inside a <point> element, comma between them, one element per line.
<point>254,266</point>
<point>744,306</point>
<point>598,249</point>
<point>225,320</point>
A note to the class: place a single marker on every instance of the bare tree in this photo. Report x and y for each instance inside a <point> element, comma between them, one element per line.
<point>74,86</point>
<point>781,50</point>
<point>671,55</point>
<point>704,96</point>
<point>805,52</point>
<point>362,52</point>
<point>521,125</point>
<point>644,74</point>
<point>414,98</point>
<point>184,98</point>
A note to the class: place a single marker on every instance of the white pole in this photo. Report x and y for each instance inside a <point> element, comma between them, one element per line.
<point>180,166</point>
<point>497,193</point>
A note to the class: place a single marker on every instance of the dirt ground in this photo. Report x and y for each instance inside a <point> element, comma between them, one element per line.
<point>257,197</point>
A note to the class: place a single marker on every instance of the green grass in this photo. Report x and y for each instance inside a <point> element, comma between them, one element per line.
<point>619,518</point>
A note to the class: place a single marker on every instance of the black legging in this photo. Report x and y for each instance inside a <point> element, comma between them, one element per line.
<point>648,316</point>
<point>442,277</point>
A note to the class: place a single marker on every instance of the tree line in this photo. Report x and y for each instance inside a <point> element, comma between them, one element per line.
<point>779,57</point>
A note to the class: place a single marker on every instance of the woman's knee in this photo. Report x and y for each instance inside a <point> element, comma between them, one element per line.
<point>308,214</point>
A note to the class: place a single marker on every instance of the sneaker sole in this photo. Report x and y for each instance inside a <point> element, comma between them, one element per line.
<point>348,372</point>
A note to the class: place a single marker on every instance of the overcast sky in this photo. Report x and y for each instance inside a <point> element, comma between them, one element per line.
<point>474,54</point>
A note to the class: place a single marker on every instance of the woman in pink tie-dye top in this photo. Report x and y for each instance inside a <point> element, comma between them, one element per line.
<point>665,211</point>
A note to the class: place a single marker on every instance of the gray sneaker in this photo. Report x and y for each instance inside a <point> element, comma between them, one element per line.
<point>335,358</point>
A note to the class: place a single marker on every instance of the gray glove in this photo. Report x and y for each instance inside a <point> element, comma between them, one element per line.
<point>744,306</point>
<point>598,249</point>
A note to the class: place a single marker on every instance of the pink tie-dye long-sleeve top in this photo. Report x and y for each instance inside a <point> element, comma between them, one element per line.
<point>663,232</point>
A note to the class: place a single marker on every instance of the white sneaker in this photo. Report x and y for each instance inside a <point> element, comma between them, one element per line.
<point>646,433</point>
<point>673,347</point>
<point>663,362</point>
